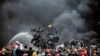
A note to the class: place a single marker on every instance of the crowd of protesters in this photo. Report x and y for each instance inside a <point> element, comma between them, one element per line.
<point>69,49</point>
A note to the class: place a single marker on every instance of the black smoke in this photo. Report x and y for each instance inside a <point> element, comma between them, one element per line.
<point>71,18</point>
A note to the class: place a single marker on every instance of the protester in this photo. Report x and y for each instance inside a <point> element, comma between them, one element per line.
<point>30,52</point>
<point>25,51</point>
<point>59,51</point>
<point>19,51</point>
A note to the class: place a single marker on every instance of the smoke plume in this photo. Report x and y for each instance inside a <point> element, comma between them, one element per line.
<point>65,15</point>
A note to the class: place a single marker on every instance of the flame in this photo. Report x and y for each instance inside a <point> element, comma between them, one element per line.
<point>49,26</point>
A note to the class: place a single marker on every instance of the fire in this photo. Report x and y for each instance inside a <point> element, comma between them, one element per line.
<point>49,26</point>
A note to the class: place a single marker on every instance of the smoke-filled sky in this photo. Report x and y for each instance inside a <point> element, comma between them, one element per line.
<point>67,16</point>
